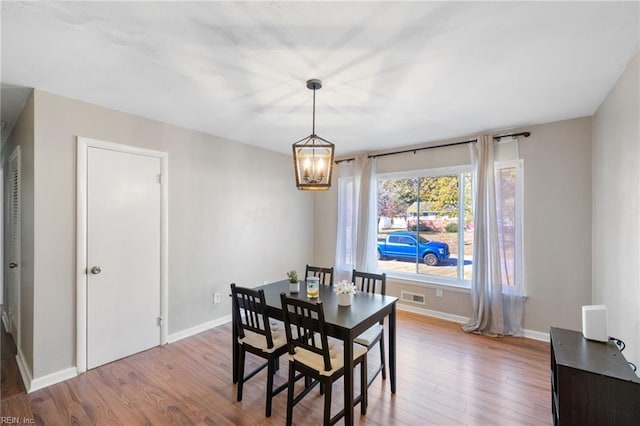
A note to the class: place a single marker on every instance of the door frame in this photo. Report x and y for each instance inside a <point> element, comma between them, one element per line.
<point>17,156</point>
<point>83,146</point>
<point>2,232</point>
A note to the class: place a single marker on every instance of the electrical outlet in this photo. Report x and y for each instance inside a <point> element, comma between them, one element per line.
<point>438,292</point>
<point>216,297</point>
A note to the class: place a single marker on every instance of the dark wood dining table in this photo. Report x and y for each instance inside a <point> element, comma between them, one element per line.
<point>342,322</point>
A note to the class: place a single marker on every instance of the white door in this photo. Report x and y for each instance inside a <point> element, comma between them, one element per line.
<point>13,247</point>
<point>123,254</point>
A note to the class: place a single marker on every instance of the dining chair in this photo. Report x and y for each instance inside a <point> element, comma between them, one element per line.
<point>315,355</point>
<point>372,283</point>
<point>325,274</point>
<point>259,335</point>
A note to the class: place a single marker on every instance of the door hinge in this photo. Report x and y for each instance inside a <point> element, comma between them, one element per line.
<point>160,179</point>
<point>159,321</point>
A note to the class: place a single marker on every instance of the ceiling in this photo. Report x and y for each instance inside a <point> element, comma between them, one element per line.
<point>394,74</point>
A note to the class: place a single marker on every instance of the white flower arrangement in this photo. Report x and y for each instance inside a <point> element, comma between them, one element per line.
<point>346,287</point>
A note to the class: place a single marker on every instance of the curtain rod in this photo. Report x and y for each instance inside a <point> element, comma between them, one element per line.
<point>404,151</point>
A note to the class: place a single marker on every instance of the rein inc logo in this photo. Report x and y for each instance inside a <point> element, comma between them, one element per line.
<point>5,420</point>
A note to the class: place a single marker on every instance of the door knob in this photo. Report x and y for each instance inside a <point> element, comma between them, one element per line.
<point>13,265</point>
<point>96,270</point>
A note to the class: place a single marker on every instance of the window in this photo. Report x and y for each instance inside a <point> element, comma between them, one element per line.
<point>509,213</point>
<point>425,225</point>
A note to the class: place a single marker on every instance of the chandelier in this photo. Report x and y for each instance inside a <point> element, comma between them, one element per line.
<point>313,156</point>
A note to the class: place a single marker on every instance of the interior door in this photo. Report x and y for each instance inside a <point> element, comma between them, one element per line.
<point>123,254</point>
<point>12,258</point>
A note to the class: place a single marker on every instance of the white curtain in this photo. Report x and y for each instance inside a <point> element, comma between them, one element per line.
<point>357,212</point>
<point>496,291</point>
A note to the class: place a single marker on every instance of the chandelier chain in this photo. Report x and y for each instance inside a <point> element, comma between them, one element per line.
<point>313,125</point>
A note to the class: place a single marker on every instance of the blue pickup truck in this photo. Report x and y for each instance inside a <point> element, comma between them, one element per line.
<point>406,245</point>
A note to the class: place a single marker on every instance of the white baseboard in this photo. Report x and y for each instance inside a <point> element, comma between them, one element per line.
<point>5,320</point>
<point>537,335</point>
<point>32,385</point>
<point>52,379</point>
<point>529,334</point>
<point>24,371</point>
<point>199,328</point>
<point>431,313</point>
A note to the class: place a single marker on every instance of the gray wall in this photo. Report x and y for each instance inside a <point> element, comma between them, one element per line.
<point>616,213</point>
<point>235,215</point>
<point>557,224</point>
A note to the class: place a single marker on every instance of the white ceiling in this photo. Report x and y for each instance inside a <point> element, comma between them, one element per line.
<point>394,74</point>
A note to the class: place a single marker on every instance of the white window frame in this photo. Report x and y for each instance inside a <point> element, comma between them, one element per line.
<point>425,278</point>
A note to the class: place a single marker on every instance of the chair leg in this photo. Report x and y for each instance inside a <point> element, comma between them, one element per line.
<point>327,403</point>
<point>382,358</point>
<point>364,386</point>
<point>292,384</point>
<point>241,356</point>
<point>270,373</point>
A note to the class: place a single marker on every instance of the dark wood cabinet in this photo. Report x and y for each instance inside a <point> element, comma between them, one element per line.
<point>591,382</point>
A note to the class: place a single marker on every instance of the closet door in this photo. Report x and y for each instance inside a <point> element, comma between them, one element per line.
<point>12,244</point>
<point>123,254</point>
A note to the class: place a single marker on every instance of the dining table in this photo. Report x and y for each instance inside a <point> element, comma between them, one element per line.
<point>341,322</point>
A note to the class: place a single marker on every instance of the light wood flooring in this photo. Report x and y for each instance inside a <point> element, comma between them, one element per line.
<point>10,380</point>
<point>445,377</point>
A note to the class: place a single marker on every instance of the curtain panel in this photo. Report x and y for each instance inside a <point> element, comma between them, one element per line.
<point>497,292</point>
<point>357,212</point>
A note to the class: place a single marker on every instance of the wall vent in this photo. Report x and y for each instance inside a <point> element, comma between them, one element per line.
<point>408,296</point>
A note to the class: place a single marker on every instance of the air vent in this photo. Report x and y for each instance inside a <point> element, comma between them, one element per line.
<point>412,297</point>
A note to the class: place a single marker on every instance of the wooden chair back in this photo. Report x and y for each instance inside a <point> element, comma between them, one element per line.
<point>325,274</point>
<point>304,326</point>
<point>370,283</point>
<point>249,312</point>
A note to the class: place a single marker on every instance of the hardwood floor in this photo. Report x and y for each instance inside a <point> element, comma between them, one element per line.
<point>445,377</point>
<point>10,380</point>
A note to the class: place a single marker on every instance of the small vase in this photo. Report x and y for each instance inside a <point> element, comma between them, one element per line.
<point>344,299</point>
<point>294,287</point>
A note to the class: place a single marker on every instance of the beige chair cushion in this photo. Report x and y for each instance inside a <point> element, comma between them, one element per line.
<point>336,353</point>
<point>259,341</point>
<point>369,336</point>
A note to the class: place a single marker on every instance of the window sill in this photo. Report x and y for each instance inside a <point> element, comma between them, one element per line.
<point>430,282</point>
<point>435,282</point>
